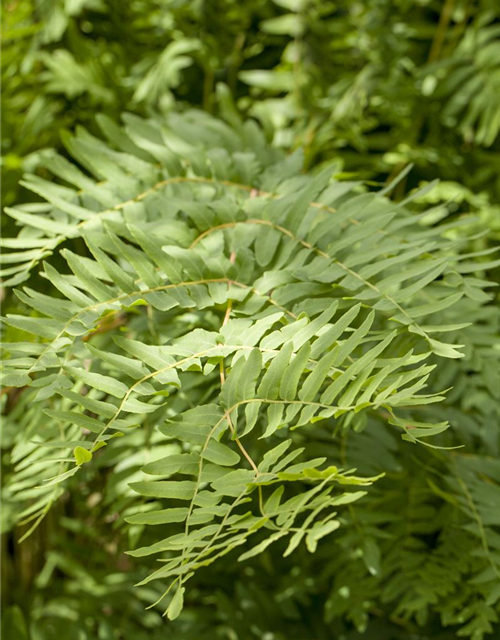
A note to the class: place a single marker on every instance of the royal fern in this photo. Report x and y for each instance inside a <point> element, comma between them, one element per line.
<point>238,343</point>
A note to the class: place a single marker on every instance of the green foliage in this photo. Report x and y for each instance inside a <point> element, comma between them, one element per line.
<point>250,384</point>
<point>224,304</point>
<point>376,84</point>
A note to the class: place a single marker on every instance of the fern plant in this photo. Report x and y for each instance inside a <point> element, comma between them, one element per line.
<point>211,326</point>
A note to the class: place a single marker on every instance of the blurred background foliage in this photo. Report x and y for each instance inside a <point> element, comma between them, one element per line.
<point>377,85</point>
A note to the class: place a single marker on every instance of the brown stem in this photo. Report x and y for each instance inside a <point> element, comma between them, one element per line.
<point>439,36</point>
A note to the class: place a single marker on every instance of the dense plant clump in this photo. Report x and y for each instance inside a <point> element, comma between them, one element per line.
<point>375,84</point>
<point>230,319</point>
<point>245,388</point>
